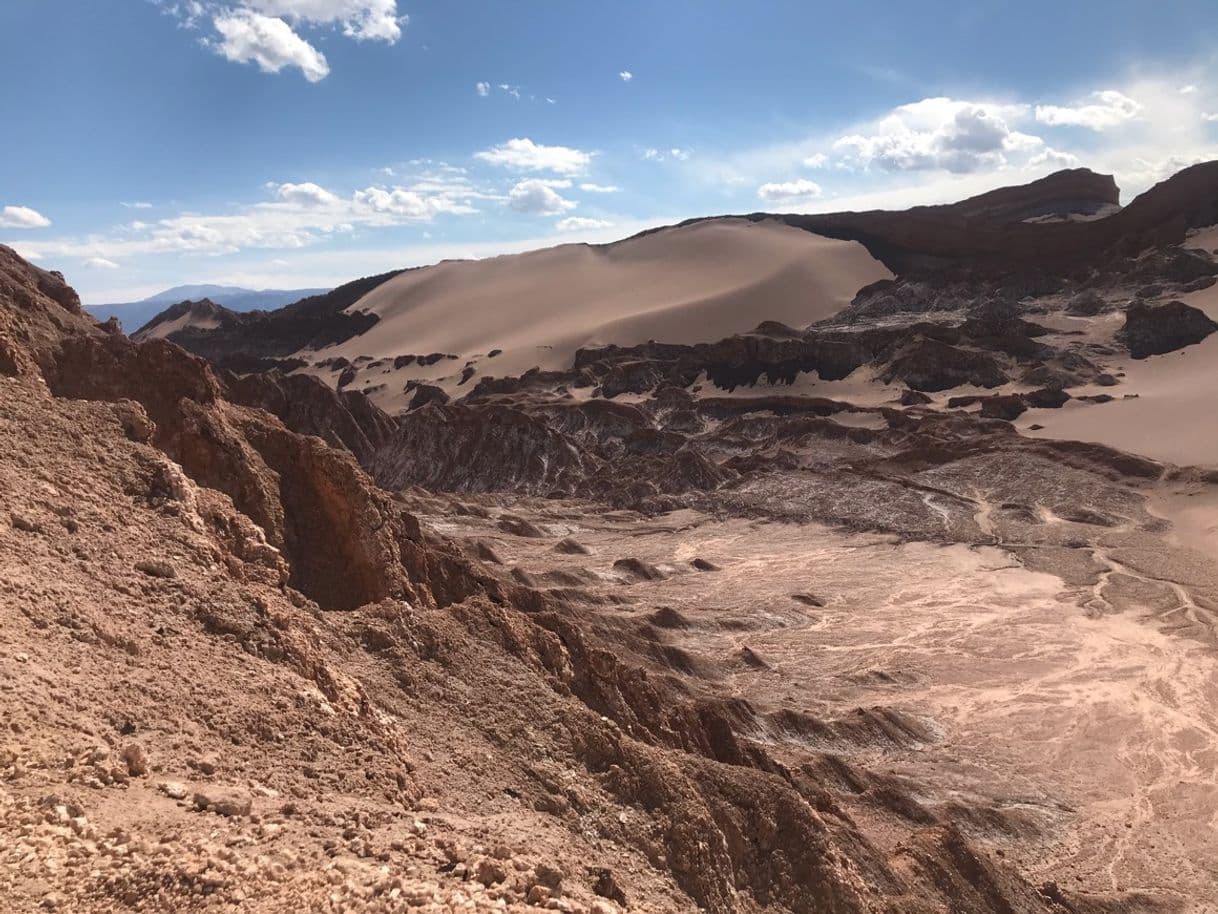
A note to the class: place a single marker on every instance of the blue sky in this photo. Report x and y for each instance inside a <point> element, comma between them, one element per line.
<point>292,143</point>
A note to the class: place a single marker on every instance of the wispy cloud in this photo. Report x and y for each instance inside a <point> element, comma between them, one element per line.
<point>1107,108</point>
<point>522,154</point>
<point>298,215</point>
<point>581,224</point>
<point>790,192</point>
<point>651,154</point>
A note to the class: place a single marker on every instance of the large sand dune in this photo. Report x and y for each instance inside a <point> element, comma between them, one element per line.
<point>694,283</point>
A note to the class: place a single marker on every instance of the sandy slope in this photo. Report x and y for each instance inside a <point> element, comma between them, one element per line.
<point>1173,416</point>
<point>691,284</point>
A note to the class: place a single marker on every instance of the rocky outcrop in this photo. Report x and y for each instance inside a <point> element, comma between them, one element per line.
<point>307,405</point>
<point>203,314</point>
<point>932,365</point>
<point>345,542</point>
<point>1156,329</point>
<point>456,448</point>
<point>425,394</point>
<point>991,231</point>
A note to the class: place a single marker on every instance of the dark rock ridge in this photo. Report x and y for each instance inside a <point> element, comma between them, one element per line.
<point>991,231</point>
<point>926,356</point>
<point>311,323</point>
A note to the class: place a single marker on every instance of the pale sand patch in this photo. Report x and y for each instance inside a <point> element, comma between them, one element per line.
<point>1205,239</point>
<point>188,320</point>
<point>1193,512</point>
<point>1175,416</point>
<point>697,283</point>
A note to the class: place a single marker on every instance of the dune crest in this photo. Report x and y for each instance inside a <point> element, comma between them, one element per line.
<point>691,284</point>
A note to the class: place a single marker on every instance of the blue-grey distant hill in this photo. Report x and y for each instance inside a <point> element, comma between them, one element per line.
<point>135,314</point>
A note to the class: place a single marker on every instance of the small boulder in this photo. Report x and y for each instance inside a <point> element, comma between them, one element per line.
<point>224,801</point>
<point>637,568</point>
<point>1046,398</point>
<point>486,553</point>
<point>1003,406</point>
<point>24,524</point>
<point>134,420</point>
<point>490,872</point>
<point>1156,329</point>
<point>426,394</point>
<point>569,546</point>
<point>518,526</point>
<point>156,569</point>
<point>135,759</point>
<point>1086,304</point>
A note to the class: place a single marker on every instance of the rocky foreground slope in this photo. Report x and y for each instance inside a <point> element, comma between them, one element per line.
<point>617,636</point>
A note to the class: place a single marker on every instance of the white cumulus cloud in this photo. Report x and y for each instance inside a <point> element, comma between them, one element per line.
<point>538,198</point>
<point>1108,108</point>
<point>939,133</point>
<point>306,194</point>
<point>483,89</point>
<point>22,217</point>
<point>363,20</point>
<point>247,37</point>
<point>522,154</point>
<point>269,33</point>
<point>789,191</point>
<point>625,76</point>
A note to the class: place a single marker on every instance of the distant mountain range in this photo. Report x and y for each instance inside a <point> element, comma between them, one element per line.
<point>135,314</point>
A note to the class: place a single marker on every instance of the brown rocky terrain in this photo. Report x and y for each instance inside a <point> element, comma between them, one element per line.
<point>803,619</point>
